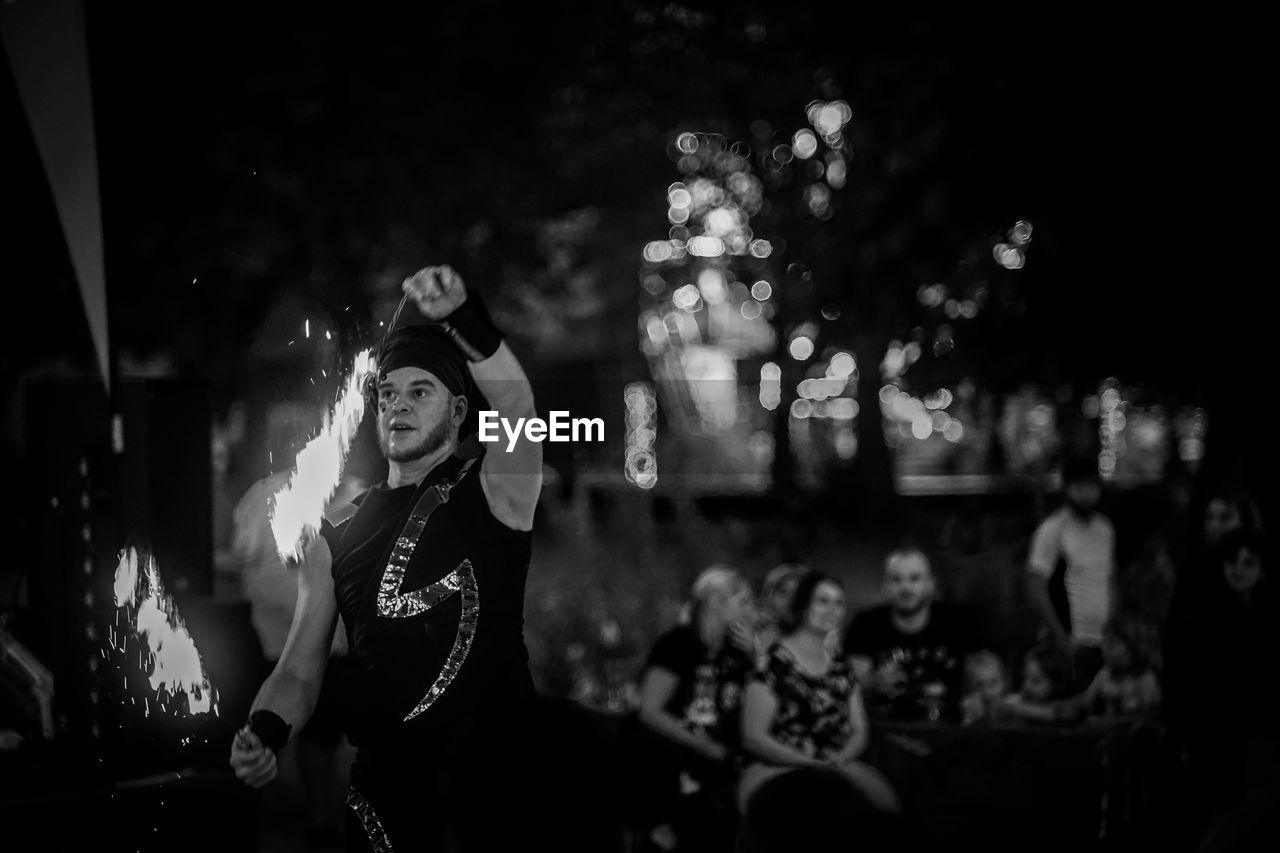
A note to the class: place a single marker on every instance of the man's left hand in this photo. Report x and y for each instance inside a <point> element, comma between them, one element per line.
<point>437,291</point>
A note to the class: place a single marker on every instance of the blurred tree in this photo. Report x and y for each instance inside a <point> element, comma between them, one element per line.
<point>247,161</point>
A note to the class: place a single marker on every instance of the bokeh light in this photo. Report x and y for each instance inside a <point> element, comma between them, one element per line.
<point>805,144</point>
<point>770,385</point>
<point>1020,233</point>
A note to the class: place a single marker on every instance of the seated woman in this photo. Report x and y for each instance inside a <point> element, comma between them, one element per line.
<point>803,707</point>
<point>682,750</point>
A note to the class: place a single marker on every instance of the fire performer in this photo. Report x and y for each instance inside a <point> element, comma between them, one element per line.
<point>428,573</point>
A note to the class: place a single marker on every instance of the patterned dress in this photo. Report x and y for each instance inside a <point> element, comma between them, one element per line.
<point>813,711</point>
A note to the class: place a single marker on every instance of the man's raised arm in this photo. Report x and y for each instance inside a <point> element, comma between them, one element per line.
<point>512,478</point>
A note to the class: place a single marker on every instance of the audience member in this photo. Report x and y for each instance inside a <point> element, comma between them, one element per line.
<point>1046,680</point>
<point>775,603</point>
<point>684,750</point>
<point>985,688</point>
<point>1199,595</point>
<point>907,652</point>
<point>1228,720</point>
<point>1083,541</point>
<point>1127,687</point>
<point>803,708</point>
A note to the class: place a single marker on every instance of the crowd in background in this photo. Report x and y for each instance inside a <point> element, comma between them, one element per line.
<point>1172,651</point>
<point>748,723</point>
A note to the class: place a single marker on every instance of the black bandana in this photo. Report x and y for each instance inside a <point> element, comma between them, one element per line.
<point>429,348</point>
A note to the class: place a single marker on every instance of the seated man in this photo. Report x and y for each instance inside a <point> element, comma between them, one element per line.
<point>908,652</point>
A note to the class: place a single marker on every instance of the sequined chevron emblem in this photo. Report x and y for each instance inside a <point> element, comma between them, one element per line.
<point>465,579</point>
<point>396,603</point>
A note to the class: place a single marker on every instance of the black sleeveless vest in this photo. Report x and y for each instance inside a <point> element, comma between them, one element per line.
<point>436,644</point>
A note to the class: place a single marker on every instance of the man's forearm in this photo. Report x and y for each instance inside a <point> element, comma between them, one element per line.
<point>287,695</point>
<point>502,381</point>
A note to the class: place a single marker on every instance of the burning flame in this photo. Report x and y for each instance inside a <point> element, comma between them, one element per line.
<point>177,665</point>
<point>299,506</point>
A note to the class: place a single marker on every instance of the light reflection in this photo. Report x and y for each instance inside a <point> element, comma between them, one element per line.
<point>940,399</point>
<point>711,286</point>
<point>750,310</point>
<point>837,174</point>
<point>761,290</point>
<point>770,385</point>
<point>801,348</point>
<point>687,298</point>
<point>657,251</point>
<point>706,247</point>
<point>818,198</point>
<point>720,222</point>
<point>761,248</point>
<point>641,462</point>
<point>1008,256</point>
<point>846,443</point>
<point>843,408</point>
<point>805,144</point>
<point>842,365</point>
<point>654,285</point>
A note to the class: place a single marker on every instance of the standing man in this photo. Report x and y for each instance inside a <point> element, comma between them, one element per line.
<point>427,571</point>
<point>1084,542</point>
<point>908,652</point>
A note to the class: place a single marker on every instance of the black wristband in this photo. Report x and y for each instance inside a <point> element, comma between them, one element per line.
<point>472,330</point>
<point>270,728</point>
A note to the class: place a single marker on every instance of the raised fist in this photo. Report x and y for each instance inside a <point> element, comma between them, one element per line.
<point>437,291</point>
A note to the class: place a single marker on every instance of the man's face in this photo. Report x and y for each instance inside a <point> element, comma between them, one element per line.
<point>1083,495</point>
<point>416,414</point>
<point>908,581</point>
